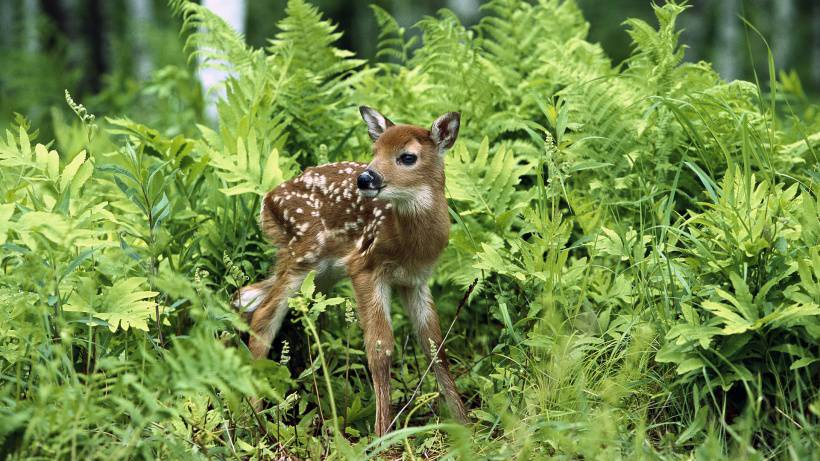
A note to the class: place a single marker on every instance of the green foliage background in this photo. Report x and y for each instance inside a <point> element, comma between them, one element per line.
<point>646,239</point>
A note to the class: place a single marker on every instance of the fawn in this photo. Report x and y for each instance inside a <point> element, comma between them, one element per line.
<point>384,225</point>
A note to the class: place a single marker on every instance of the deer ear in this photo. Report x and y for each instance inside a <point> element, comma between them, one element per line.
<point>376,122</point>
<point>445,130</point>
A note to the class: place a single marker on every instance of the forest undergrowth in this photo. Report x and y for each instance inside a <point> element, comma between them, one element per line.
<point>645,238</point>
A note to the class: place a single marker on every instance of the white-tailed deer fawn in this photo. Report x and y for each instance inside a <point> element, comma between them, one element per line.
<point>382,224</point>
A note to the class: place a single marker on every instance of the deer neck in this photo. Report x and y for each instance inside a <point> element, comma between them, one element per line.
<point>422,228</point>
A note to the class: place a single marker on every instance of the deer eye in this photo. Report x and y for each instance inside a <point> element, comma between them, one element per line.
<point>407,159</point>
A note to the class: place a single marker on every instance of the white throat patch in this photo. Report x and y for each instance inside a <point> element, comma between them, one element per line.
<point>412,201</point>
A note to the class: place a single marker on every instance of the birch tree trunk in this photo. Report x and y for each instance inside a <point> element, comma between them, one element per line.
<point>31,12</point>
<point>467,10</point>
<point>141,14</point>
<point>77,53</point>
<point>728,47</point>
<point>232,12</point>
<point>6,24</point>
<point>815,40</point>
<point>783,30</point>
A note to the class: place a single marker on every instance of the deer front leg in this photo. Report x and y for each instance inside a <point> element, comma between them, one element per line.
<point>422,312</point>
<point>373,300</point>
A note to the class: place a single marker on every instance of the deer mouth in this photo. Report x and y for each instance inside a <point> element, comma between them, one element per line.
<point>371,193</point>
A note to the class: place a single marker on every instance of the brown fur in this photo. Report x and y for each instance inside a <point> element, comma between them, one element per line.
<point>321,221</point>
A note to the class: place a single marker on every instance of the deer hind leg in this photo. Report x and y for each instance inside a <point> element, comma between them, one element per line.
<point>271,310</point>
<point>421,310</point>
<point>373,300</point>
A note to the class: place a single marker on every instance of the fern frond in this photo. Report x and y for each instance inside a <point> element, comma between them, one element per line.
<point>212,40</point>
<point>486,181</point>
<point>391,41</point>
<point>657,52</point>
<point>243,166</point>
<point>313,78</point>
<point>457,75</point>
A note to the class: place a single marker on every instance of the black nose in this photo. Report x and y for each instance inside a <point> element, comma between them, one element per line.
<point>369,180</point>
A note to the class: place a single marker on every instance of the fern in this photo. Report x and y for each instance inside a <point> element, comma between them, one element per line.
<point>212,40</point>
<point>245,169</point>
<point>391,41</point>
<point>486,181</point>
<point>657,51</point>
<point>122,305</point>
<point>456,69</point>
<point>318,79</point>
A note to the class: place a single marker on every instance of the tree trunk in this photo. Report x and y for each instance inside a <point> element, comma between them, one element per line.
<point>7,24</point>
<point>76,54</point>
<point>728,47</point>
<point>141,14</point>
<point>31,12</point>
<point>94,28</point>
<point>467,10</point>
<point>694,23</point>
<point>783,30</point>
<point>815,48</point>
<point>233,13</point>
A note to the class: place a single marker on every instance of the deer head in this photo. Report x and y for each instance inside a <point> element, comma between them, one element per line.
<point>408,161</point>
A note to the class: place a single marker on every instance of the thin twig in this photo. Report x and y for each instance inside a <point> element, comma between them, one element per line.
<point>433,359</point>
<point>228,435</point>
<point>259,421</point>
<point>315,384</point>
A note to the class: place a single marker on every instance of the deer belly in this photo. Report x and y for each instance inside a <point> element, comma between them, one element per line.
<point>328,273</point>
<point>409,276</point>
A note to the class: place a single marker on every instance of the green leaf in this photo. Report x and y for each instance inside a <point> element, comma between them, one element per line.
<point>505,315</point>
<point>801,363</point>
<point>670,354</point>
<point>695,428</point>
<point>6,210</point>
<point>244,172</point>
<point>25,144</point>
<point>690,364</point>
<point>733,323</point>
<point>123,305</point>
<point>308,285</point>
<point>272,174</point>
<point>71,170</point>
<point>83,174</point>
